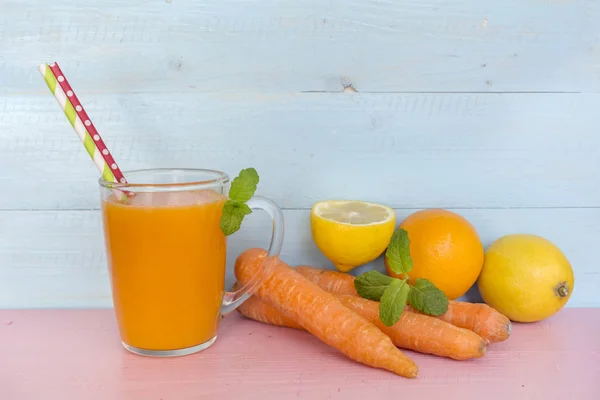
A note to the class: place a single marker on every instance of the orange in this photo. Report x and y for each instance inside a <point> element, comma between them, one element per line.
<point>445,249</point>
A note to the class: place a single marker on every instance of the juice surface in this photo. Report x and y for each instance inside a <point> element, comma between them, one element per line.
<point>166,255</point>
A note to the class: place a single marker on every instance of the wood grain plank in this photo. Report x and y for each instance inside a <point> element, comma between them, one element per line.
<point>56,258</point>
<point>247,46</point>
<point>76,354</point>
<point>412,150</point>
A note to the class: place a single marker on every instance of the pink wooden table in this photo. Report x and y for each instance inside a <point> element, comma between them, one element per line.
<point>76,354</point>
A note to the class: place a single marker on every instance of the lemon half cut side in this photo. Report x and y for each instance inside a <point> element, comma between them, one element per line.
<point>351,233</point>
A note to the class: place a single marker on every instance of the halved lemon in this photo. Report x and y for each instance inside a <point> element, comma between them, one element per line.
<point>351,233</point>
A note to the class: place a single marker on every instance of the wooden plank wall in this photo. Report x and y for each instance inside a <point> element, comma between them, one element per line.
<point>489,108</point>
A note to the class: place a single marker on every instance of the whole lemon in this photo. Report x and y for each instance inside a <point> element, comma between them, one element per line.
<point>525,277</point>
<point>445,249</point>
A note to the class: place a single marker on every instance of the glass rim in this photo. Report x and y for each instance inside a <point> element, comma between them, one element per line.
<point>221,178</point>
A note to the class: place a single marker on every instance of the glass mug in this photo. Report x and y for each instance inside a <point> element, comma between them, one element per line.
<point>166,257</point>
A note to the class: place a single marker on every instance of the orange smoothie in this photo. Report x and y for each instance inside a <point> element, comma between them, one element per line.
<point>166,256</point>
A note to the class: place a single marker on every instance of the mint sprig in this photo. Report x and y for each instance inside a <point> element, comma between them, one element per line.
<point>392,293</point>
<point>235,208</point>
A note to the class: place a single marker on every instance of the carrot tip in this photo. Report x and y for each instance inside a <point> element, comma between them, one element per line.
<point>483,348</point>
<point>412,373</point>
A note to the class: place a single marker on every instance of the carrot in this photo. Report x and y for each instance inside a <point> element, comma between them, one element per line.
<point>262,311</point>
<point>322,314</point>
<point>480,318</point>
<point>332,281</point>
<point>477,317</point>
<point>413,331</point>
<point>422,333</point>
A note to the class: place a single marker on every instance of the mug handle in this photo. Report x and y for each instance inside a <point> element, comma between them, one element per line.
<point>232,300</point>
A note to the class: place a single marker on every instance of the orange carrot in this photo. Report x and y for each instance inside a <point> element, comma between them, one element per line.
<point>480,318</point>
<point>413,331</point>
<point>477,317</point>
<point>332,281</point>
<point>321,313</point>
<point>422,333</point>
<point>262,311</point>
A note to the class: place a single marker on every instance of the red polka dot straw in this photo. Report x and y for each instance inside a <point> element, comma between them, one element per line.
<point>87,122</point>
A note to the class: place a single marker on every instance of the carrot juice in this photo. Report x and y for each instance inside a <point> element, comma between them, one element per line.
<point>166,256</point>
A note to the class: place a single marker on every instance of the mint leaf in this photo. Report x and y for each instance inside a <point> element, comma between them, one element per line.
<point>398,252</point>
<point>233,214</point>
<point>393,302</point>
<point>427,298</point>
<point>244,185</point>
<point>372,284</point>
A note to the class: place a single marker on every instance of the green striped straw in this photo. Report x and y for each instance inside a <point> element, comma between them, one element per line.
<point>81,123</point>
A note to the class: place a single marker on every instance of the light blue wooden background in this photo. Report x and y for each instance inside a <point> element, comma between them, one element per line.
<point>490,108</point>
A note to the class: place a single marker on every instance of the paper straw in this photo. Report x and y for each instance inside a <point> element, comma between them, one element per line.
<point>70,104</point>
